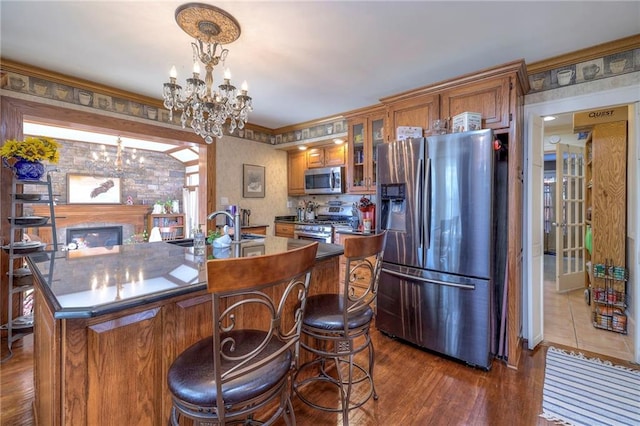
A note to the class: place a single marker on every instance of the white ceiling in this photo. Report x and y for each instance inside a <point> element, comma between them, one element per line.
<point>307,60</point>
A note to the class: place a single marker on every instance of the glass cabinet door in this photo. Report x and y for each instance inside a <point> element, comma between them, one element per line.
<point>365,134</point>
<point>357,156</point>
<point>376,133</point>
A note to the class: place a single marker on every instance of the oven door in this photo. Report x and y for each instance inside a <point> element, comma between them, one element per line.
<point>312,236</point>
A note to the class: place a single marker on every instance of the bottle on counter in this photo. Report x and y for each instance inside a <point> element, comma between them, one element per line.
<point>199,243</point>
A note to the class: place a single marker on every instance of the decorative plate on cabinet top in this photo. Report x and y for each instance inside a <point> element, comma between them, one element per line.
<point>24,321</point>
<point>29,220</point>
<point>24,247</point>
<point>29,197</point>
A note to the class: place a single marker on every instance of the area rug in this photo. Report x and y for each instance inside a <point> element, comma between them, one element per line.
<point>588,391</point>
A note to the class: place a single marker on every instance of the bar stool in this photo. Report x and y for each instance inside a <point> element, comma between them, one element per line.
<point>336,328</point>
<point>246,365</point>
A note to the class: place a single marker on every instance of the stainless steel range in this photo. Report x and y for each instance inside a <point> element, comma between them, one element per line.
<point>321,228</point>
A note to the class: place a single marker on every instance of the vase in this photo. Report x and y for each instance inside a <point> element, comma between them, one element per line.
<point>368,214</point>
<point>28,170</point>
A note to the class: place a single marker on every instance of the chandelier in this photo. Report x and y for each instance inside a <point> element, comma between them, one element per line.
<point>118,164</point>
<point>204,107</point>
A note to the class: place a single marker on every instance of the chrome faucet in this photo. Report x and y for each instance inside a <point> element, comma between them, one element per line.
<point>234,218</point>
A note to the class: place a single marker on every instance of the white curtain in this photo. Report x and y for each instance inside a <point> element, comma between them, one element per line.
<point>190,203</point>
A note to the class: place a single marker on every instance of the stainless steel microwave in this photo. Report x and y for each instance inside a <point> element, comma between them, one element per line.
<point>327,180</point>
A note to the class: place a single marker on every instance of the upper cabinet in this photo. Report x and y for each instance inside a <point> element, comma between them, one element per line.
<point>417,111</point>
<point>490,98</point>
<point>366,132</point>
<point>334,155</point>
<point>297,162</point>
<point>329,156</point>
<point>498,95</point>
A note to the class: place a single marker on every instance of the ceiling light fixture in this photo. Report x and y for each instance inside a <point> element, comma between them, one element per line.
<point>203,107</point>
<point>122,163</point>
<point>548,118</point>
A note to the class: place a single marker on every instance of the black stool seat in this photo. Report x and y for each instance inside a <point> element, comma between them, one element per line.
<point>191,377</point>
<point>336,329</point>
<point>242,373</point>
<point>326,311</point>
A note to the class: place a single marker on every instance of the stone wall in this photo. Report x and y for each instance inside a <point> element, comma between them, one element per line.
<point>162,177</point>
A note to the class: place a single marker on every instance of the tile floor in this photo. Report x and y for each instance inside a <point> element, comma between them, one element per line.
<point>567,321</point>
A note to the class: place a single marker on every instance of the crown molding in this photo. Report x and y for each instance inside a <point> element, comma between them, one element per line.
<point>8,65</point>
<point>582,55</point>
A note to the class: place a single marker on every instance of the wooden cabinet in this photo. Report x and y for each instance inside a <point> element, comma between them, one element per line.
<point>366,132</point>
<point>175,221</point>
<point>255,229</point>
<point>329,156</point>
<point>112,369</point>
<point>608,221</point>
<point>297,162</point>
<point>315,158</point>
<point>334,155</point>
<point>283,229</point>
<point>490,98</point>
<point>417,111</point>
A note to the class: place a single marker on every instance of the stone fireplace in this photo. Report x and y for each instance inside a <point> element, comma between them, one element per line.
<point>130,219</point>
<point>94,236</point>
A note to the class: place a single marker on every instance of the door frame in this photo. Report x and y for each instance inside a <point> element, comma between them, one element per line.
<point>596,99</point>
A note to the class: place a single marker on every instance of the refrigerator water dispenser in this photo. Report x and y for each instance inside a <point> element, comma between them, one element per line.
<point>393,212</point>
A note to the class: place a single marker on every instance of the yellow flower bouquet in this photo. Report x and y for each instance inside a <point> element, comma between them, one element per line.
<point>31,149</point>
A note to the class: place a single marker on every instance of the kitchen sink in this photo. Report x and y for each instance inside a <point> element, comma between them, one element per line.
<point>251,236</point>
<point>188,242</point>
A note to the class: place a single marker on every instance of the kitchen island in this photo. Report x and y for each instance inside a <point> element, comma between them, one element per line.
<point>109,322</point>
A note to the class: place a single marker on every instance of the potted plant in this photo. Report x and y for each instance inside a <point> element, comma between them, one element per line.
<point>25,157</point>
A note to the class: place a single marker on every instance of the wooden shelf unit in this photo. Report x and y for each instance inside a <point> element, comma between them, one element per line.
<point>174,220</point>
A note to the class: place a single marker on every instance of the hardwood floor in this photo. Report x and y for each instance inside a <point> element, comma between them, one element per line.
<point>415,388</point>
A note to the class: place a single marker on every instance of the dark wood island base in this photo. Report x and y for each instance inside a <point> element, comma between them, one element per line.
<point>105,368</point>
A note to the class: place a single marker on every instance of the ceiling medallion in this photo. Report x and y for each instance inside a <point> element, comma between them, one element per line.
<point>207,23</point>
<point>206,108</point>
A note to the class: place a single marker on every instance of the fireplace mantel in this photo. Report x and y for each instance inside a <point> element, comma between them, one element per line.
<point>71,215</point>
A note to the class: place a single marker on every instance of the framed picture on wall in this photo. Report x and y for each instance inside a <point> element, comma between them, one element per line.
<point>252,181</point>
<point>88,189</point>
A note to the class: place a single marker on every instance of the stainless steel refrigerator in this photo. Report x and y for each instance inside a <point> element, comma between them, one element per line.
<point>436,285</point>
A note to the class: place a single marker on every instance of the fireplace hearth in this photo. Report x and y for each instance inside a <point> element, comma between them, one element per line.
<point>99,236</point>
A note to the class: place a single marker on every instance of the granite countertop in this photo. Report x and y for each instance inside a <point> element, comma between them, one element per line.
<point>84,283</point>
<point>352,232</point>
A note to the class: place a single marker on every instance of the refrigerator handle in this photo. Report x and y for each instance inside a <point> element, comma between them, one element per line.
<point>425,280</point>
<point>419,221</point>
<point>427,206</point>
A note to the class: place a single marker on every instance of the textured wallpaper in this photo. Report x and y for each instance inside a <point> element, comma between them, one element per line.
<point>231,154</point>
